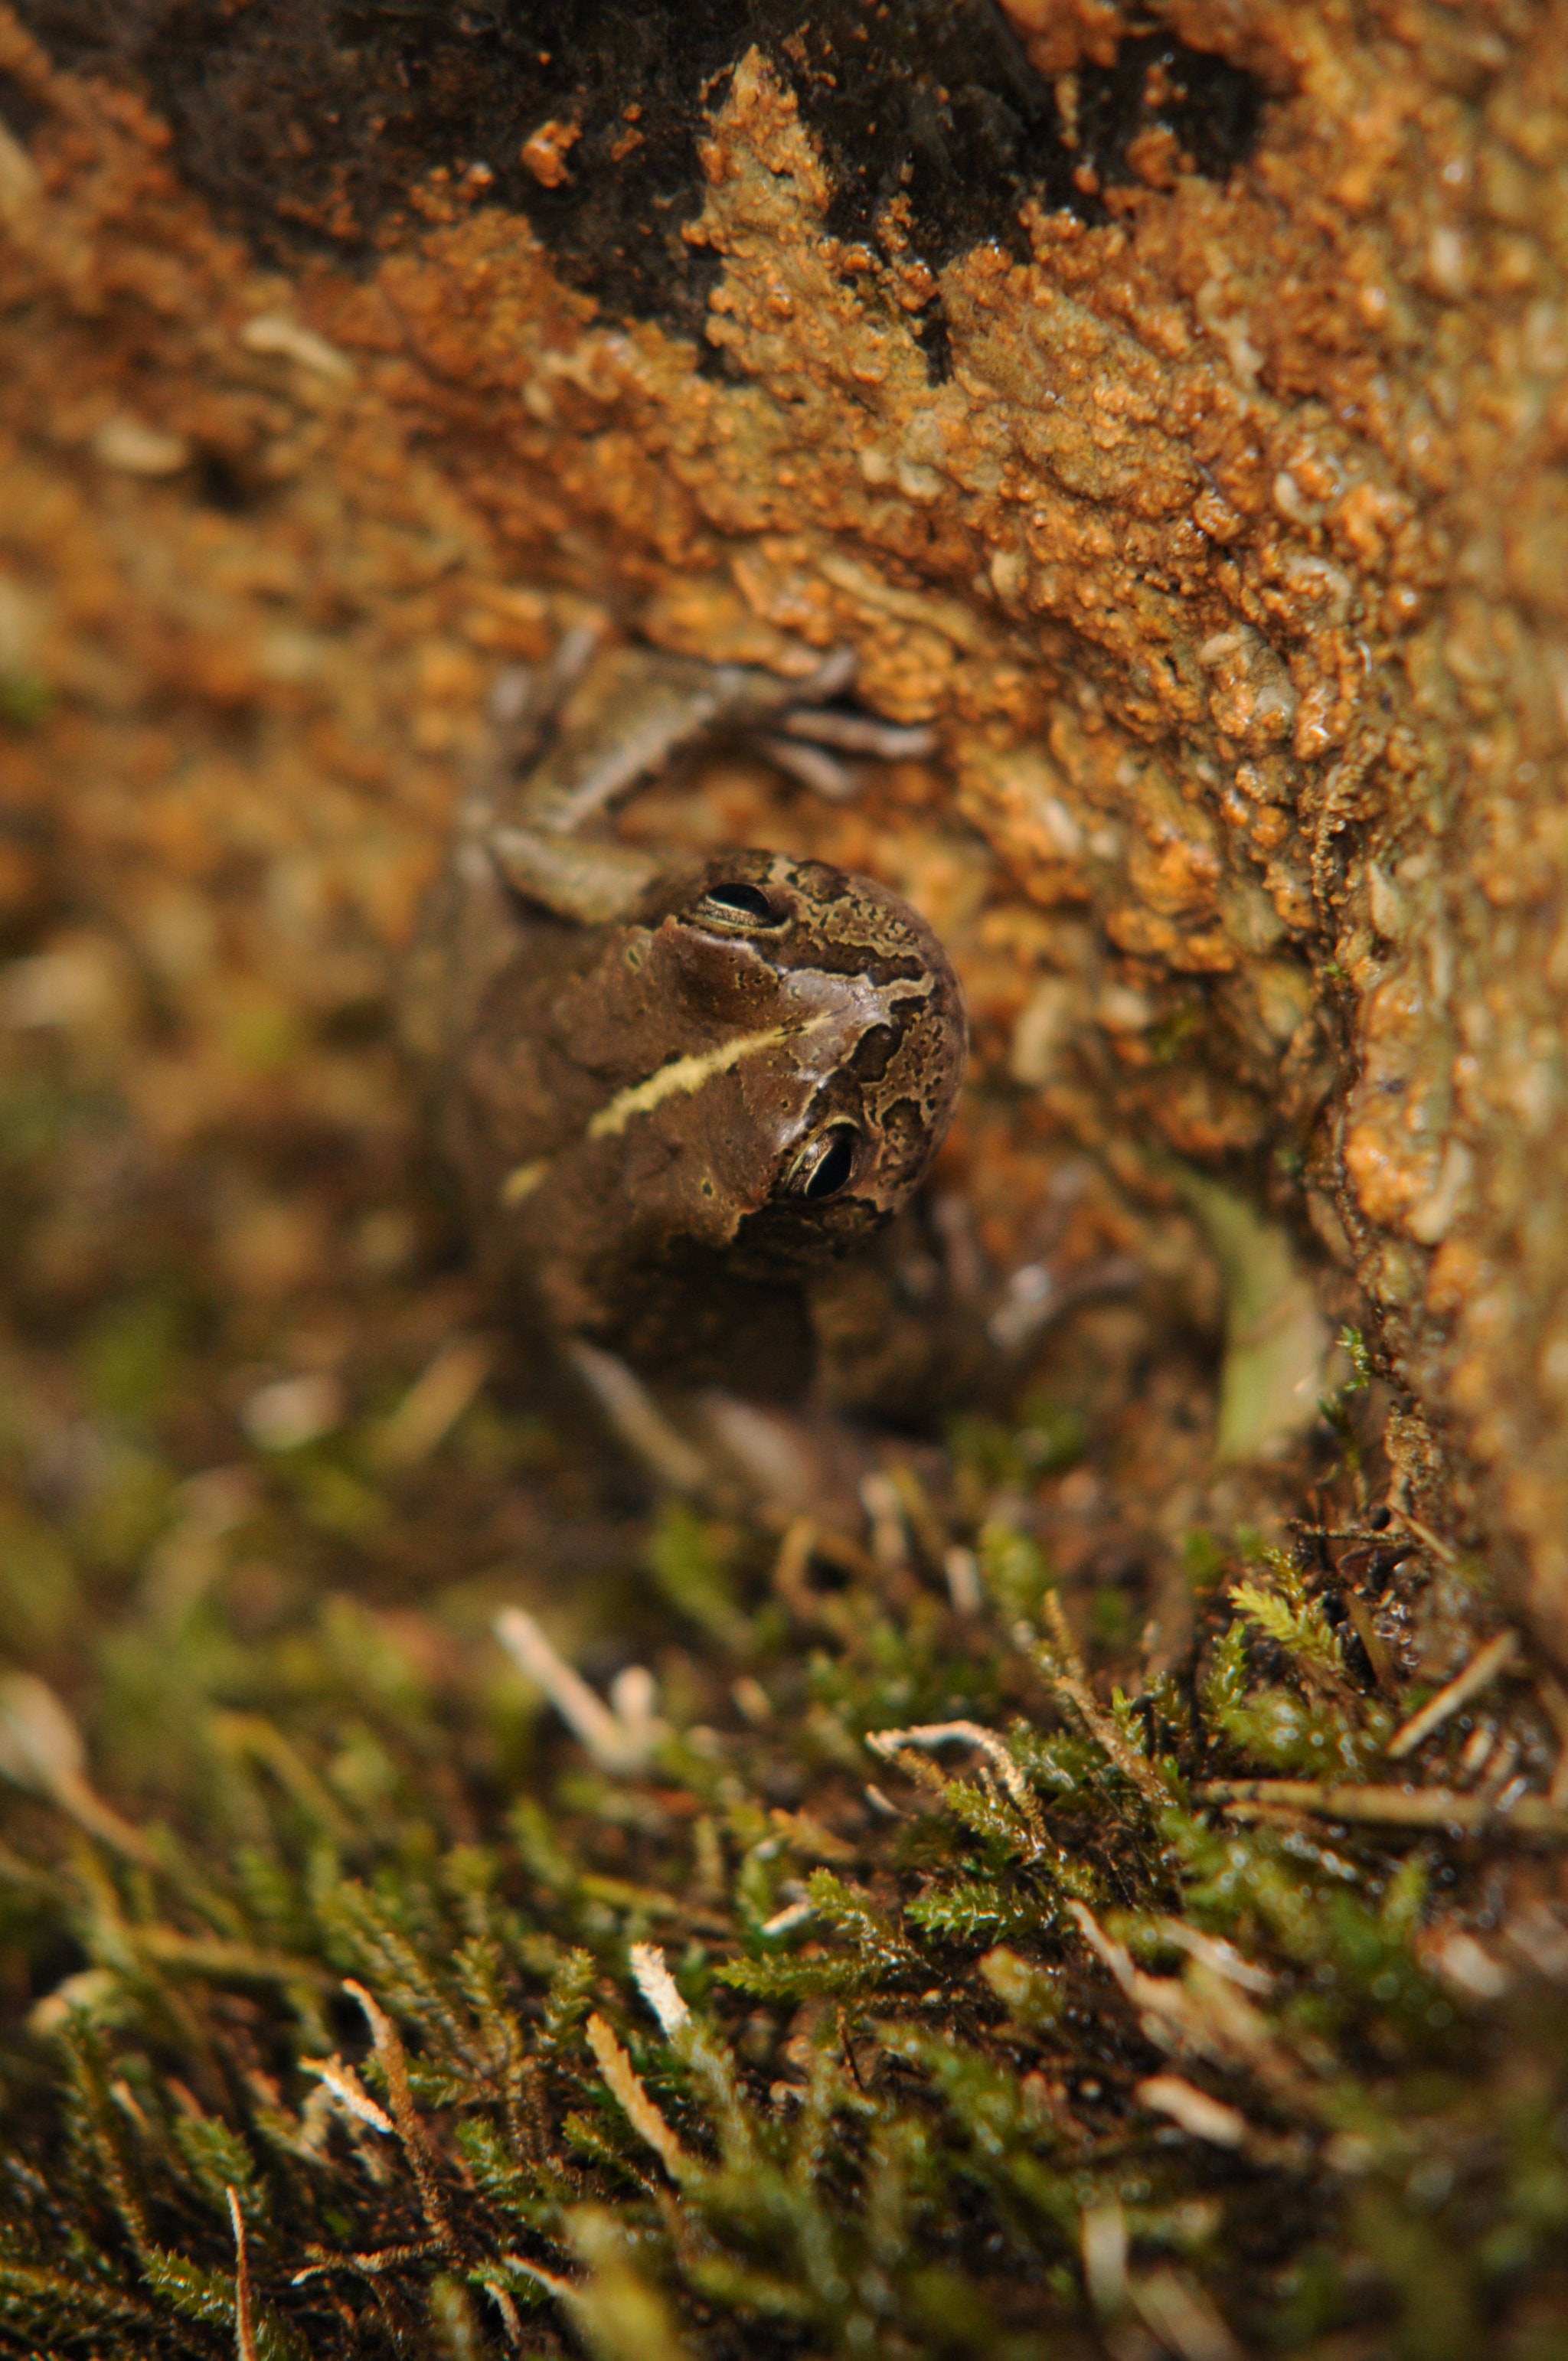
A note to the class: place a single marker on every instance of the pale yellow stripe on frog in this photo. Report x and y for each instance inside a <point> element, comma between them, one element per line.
<point>682,1076</point>
<point>679,1079</point>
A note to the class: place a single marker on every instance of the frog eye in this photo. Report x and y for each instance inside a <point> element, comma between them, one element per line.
<point>737,909</point>
<point>825,1166</point>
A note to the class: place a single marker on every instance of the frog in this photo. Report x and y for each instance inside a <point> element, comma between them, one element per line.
<point>686,1096</point>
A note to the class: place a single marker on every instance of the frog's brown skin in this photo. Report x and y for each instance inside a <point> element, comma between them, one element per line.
<point>670,1124</point>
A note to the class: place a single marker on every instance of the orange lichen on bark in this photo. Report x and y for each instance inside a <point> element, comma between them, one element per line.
<point>1057,34</point>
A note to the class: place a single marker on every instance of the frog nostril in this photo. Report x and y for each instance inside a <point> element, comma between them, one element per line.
<point>825,1165</point>
<point>737,905</point>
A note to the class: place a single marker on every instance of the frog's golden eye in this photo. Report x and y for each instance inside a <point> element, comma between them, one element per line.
<point>737,909</point>
<point>825,1166</point>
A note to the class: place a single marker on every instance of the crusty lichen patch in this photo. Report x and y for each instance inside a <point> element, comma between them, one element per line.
<point>1224,556</point>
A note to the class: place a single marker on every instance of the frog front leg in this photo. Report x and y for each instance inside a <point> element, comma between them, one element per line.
<point>522,827</point>
<point>602,726</point>
<point>516,843</point>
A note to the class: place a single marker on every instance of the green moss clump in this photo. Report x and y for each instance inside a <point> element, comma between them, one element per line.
<point>882,1980</point>
<point>918,2005</point>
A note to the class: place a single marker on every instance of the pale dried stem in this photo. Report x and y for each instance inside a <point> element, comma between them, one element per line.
<point>410,2130</point>
<point>1482,1669</point>
<point>244,2317</point>
<point>888,1742</point>
<point>1409,1807</point>
<point>626,2087</point>
<point>1063,1669</point>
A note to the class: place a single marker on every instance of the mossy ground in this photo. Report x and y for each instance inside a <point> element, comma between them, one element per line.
<point>326,2025</point>
<point>332,2015</point>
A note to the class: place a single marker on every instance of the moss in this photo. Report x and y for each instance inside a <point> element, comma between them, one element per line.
<point>479,2050</point>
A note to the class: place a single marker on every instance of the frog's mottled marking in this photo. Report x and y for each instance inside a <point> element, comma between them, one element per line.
<point>685,1076</point>
<point>858,1007</point>
<point>521,1183</point>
